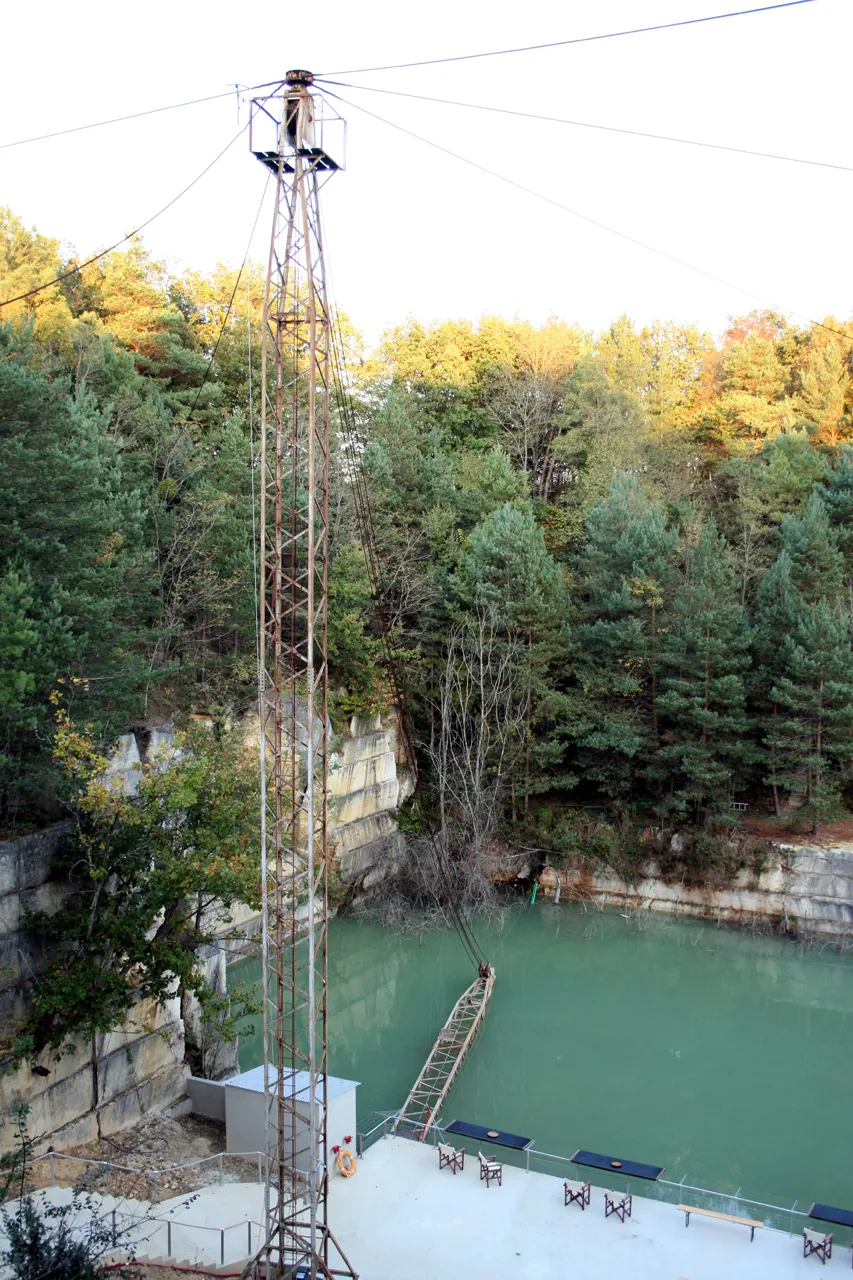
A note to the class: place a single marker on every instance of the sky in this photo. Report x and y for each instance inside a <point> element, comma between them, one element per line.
<point>412,231</point>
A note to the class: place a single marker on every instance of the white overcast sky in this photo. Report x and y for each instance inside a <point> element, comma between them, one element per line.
<point>413,232</point>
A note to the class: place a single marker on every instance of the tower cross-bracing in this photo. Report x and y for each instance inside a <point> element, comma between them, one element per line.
<point>296,377</point>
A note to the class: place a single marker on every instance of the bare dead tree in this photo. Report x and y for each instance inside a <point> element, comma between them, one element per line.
<point>480,713</point>
<point>528,408</point>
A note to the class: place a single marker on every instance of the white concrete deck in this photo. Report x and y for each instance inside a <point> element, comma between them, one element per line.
<point>197,1219</point>
<point>400,1217</point>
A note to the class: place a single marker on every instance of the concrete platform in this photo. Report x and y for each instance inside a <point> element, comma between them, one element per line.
<point>400,1217</point>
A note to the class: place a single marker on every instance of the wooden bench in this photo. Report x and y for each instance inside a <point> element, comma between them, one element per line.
<point>687,1209</point>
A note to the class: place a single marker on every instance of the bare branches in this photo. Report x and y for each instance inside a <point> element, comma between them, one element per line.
<point>480,712</point>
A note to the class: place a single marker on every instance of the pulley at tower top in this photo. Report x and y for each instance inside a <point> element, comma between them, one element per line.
<point>293,121</point>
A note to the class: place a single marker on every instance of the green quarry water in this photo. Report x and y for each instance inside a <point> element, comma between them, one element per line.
<point>724,1057</point>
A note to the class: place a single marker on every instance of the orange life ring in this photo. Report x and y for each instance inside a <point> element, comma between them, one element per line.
<point>346,1163</point>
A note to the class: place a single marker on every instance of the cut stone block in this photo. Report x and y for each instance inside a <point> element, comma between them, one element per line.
<point>361,774</point>
<point>371,800</point>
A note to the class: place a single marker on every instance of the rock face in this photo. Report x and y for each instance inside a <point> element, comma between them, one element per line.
<point>111,1083</point>
<point>132,750</point>
<point>100,1086</point>
<point>368,780</point>
<point>802,889</point>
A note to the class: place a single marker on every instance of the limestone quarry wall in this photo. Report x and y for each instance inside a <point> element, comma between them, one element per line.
<point>116,1079</point>
<point>100,1086</point>
<point>368,781</point>
<point>801,889</point>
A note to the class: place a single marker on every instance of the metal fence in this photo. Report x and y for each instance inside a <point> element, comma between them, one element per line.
<point>68,1170</point>
<point>779,1217</point>
<point>375,1126</point>
<point>235,1243</point>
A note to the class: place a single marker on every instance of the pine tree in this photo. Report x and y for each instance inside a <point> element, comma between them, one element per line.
<point>817,566</point>
<point>73,534</point>
<point>628,571</point>
<point>838,500</point>
<point>811,739</point>
<point>704,655</point>
<point>779,606</point>
<point>508,574</point>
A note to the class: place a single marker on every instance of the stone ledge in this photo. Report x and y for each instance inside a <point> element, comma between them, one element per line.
<point>362,774</point>
<point>355,863</point>
<point>362,832</point>
<point>154,1094</point>
<point>366,747</point>
<point>362,804</point>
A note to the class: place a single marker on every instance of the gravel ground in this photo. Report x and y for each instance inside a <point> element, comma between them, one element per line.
<point>150,1151</point>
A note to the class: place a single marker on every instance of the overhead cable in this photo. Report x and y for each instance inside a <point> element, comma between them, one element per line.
<point>364,519</point>
<point>585,124</point>
<point>367,532</point>
<point>595,222</point>
<point>228,309</point>
<point>559,44</point>
<point>98,124</point>
<point>97,257</point>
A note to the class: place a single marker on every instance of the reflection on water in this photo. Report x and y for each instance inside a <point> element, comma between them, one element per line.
<point>724,1057</point>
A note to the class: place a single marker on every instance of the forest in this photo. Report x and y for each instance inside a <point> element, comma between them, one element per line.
<point>616,568</point>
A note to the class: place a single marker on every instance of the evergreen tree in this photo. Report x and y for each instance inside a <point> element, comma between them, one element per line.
<point>704,655</point>
<point>838,500</point>
<point>628,573</point>
<point>817,566</point>
<point>508,575</point>
<point>72,533</point>
<point>811,739</point>
<point>779,606</point>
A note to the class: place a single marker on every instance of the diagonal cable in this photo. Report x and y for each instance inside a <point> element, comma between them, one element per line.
<point>559,44</point>
<point>595,222</point>
<point>97,257</point>
<point>586,124</point>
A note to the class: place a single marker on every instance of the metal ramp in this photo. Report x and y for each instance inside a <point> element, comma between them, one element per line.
<point>426,1098</point>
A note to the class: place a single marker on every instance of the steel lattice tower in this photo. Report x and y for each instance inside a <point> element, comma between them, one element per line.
<point>296,376</point>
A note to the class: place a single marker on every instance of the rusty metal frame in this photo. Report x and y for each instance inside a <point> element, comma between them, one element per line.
<point>296,375</point>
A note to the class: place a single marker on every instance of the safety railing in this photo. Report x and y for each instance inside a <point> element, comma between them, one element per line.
<point>247,1236</point>
<point>375,1126</point>
<point>58,1161</point>
<point>779,1217</point>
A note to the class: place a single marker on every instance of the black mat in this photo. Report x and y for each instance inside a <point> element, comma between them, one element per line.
<point>613,1165</point>
<point>826,1213</point>
<point>465,1130</point>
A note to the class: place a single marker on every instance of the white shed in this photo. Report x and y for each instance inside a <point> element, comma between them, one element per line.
<point>245,1104</point>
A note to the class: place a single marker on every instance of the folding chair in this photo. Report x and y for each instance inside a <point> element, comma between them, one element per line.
<point>618,1204</point>
<point>450,1158</point>
<point>816,1242</point>
<point>576,1192</point>
<point>490,1169</point>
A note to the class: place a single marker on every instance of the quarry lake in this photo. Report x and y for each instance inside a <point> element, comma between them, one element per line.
<point>724,1057</point>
